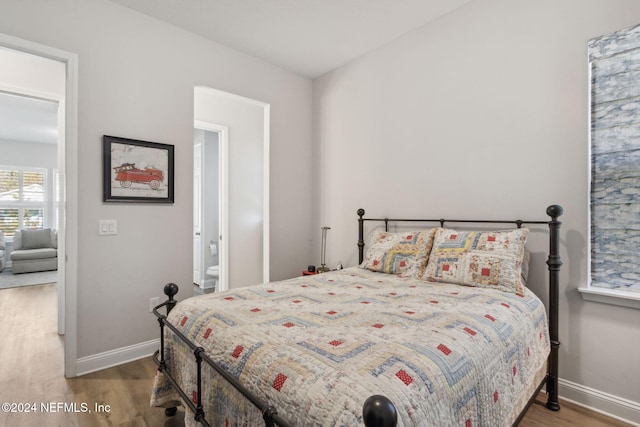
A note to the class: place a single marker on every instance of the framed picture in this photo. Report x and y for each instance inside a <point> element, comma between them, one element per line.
<point>137,171</point>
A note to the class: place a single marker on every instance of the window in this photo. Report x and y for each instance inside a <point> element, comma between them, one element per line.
<point>614,66</point>
<point>23,198</point>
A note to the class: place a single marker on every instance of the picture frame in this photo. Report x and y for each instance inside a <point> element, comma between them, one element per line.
<point>137,171</point>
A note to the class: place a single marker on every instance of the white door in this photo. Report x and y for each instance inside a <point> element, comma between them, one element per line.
<point>197,214</point>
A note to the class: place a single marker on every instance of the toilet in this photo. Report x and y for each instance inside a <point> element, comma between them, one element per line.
<point>214,272</point>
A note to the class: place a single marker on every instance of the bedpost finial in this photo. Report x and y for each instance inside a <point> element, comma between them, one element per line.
<point>170,290</point>
<point>554,211</point>
<point>360,212</point>
<point>378,411</point>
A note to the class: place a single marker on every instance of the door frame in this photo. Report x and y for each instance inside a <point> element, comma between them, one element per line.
<point>223,195</point>
<point>68,170</point>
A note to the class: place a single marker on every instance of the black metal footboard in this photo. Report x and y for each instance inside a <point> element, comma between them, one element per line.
<point>378,411</point>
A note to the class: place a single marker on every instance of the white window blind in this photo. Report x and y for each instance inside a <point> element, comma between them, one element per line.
<point>23,198</point>
<point>615,160</point>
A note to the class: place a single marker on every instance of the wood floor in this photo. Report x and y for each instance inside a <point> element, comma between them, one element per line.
<point>31,373</point>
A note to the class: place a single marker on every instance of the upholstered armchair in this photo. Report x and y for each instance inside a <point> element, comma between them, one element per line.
<point>34,250</point>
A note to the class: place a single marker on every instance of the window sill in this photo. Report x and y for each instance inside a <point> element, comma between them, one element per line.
<point>611,296</point>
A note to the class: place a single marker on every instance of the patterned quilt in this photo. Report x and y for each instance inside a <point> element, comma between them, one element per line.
<point>316,347</point>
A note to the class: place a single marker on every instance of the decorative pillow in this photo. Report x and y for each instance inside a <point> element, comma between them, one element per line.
<point>488,259</point>
<point>33,238</point>
<point>404,253</point>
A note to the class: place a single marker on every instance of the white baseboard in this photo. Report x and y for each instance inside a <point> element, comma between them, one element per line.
<point>108,359</point>
<point>613,406</point>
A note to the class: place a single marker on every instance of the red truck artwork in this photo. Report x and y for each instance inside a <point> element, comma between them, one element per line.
<point>127,173</point>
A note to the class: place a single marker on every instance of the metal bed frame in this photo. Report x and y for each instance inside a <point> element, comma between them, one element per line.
<point>378,411</point>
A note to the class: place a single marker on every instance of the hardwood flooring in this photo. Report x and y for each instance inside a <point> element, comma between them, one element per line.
<point>31,372</point>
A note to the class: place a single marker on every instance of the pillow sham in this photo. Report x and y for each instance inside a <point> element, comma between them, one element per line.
<point>403,253</point>
<point>488,259</point>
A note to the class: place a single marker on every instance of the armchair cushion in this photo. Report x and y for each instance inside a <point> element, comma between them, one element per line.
<point>35,238</point>
<point>32,254</point>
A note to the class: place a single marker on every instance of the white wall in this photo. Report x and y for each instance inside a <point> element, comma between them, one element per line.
<point>136,80</point>
<point>482,113</point>
<point>29,154</point>
<point>38,76</point>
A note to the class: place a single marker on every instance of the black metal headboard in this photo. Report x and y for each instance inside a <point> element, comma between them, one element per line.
<point>553,263</point>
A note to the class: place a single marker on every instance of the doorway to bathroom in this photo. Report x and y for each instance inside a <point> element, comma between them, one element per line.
<point>243,127</point>
<point>210,199</point>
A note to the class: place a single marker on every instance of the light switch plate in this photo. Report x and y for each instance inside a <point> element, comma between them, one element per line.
<point>107,227</point>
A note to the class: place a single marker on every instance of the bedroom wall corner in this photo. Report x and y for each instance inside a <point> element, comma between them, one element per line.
<point>481,113</point>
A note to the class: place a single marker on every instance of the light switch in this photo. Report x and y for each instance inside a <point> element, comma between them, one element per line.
<point>108,227</point>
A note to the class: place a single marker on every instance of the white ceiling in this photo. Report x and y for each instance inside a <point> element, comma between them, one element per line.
<point>28,119</point>
<point>307,37</point>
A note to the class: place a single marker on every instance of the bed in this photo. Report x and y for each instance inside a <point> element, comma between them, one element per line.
<point>435,326</point>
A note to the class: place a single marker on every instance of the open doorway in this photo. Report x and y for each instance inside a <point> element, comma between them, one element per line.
<point>31,137</point>
<point>47,74</point>
<point>242,125</point>
<point>29,190</point>
<point>210,207</point>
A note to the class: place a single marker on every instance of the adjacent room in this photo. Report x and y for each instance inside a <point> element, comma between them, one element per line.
<point>264,157</point>
<point>28,194</point>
